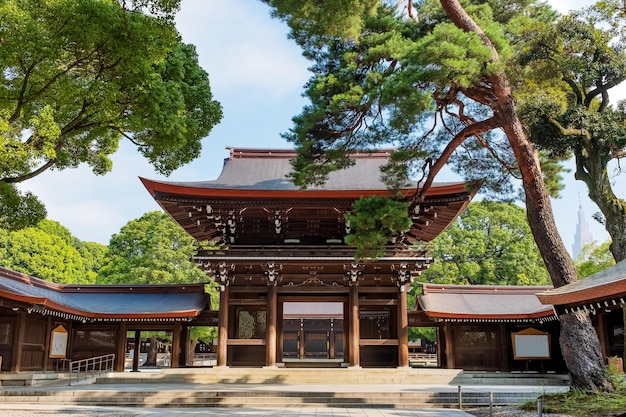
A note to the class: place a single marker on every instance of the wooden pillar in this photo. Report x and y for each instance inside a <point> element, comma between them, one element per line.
<point>331,340</point>
<point>46,345</point>
<point>222,331</point>
<point>185,356</point>
<point>279,333</point>
<point>504,350</point>
<point>120,348</point>
<point>355,337</point>
<point>301,340</point>
<point>447,330</point>
<point>272,313</point>
<point>441,347</point>
<point>603,335</point>
<point>18,341</point>
<point>137,351</point>
<point>403,329</point>
<point>175,353</point>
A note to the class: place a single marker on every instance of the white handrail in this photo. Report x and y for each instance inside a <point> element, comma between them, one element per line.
<point>91,367</point>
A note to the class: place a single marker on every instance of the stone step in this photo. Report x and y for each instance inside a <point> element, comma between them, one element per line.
<point>348,376</point>
<point>260,399</point>
<point>25,379</point>
<point>515,378</point>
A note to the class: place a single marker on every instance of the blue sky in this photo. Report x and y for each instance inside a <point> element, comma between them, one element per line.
<point>257,74</point>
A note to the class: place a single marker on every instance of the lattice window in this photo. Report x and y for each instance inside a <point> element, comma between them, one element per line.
<point>252,324</point>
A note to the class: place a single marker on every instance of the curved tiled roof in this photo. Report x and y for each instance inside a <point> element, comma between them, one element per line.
<point>104,301</point>
<point>254,182</point>
<point>483,302</point>
<point>268,170</point>
<point>602,289</point>
<point>258,169</point>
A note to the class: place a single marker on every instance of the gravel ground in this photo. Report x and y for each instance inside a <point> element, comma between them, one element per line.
<point>65,413</point>
<point>477,412</point>
<point>508,412</point>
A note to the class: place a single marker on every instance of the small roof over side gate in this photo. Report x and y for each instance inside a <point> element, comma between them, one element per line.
<point>605,289</point>
<point>103,302</point>
<point>484,303</point>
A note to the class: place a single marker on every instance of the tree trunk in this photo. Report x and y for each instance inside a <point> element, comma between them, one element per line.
<point>579,342</point>
<point>591,168</point>
<point>191,351</point>
<point>151,358</point>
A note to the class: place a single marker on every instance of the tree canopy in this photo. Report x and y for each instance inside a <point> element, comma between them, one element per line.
<point>489,244</point>
<point>375,222</point>
<point>50,252</point>
<point>77,77</point>
<point>569,69</point>
<point>433,80</point>
<point>594,258</point>
<point>151,250</point>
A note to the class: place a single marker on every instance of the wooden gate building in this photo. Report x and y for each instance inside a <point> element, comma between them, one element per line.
<point>282,250</point>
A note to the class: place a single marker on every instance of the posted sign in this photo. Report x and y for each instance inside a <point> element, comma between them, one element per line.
<point>58,343</point>
<point>530,344</point>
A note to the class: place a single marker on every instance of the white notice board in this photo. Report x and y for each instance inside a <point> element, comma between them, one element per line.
<point>58,342</point>
<point>531,344</point>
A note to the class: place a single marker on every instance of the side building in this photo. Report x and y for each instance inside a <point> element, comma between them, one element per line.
<point>96,318</point>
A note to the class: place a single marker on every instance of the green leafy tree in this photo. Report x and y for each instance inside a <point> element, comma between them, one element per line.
<point>594,258</point>
<point>432,78</point>
<point>78,76</point>
<point>489,244</point>
<point>570,69</point>
<point>572,66</point>
<point>18,209</point>
<point>50,252</point>
<point>376,221</point>
<point>151,250</point>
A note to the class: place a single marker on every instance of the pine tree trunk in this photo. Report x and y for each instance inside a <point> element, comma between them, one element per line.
<point>579,342</point>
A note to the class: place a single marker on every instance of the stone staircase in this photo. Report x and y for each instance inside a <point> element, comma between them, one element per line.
<point>199,398</point>
<point>276,387</point>
<point>292,376</point>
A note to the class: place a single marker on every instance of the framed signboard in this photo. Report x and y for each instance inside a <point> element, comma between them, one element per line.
<point>58,343</point>
<point>530,344</point>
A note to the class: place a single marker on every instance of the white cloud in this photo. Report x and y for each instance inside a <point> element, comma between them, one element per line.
<point>257,74</point>
<point>242,49</point>
<point>565,6</point>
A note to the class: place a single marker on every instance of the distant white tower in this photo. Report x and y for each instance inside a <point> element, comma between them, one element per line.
<point>583,235</point>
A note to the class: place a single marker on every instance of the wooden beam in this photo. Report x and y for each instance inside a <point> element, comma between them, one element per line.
<point>377,302</point>
<point>379,342</point>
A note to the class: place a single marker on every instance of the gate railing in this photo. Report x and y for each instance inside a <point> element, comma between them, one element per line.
<point>90,367</point>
